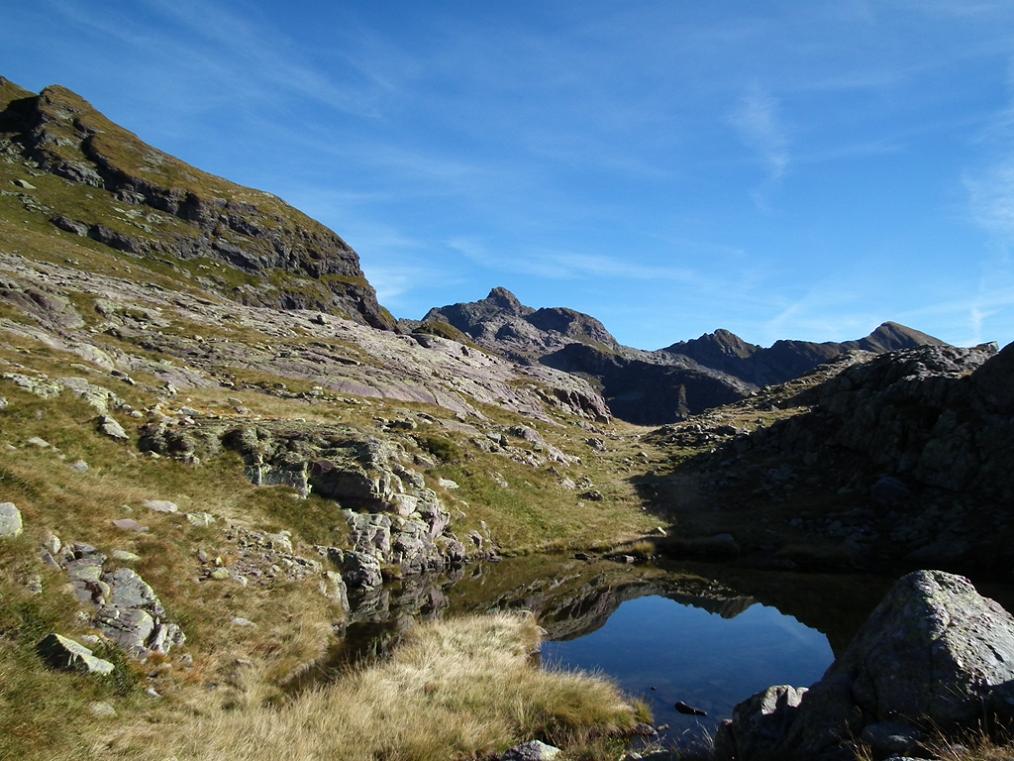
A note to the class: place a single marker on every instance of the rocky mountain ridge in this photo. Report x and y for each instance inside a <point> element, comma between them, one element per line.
<point>649,387</point>
<point>787,359</point>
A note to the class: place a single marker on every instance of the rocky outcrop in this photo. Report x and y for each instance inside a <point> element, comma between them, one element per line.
<point>178,211</point>
<point>784,360</point>
<point>126,608</point>
<point>393,517</point>
<point>344,357</point>
<point>933,656</point>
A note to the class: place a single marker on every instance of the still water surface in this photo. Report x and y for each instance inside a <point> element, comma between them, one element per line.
<point>665,651</point>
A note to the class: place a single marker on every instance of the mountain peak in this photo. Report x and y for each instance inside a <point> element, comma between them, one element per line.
<point>893,336</point>
<point>505,300</point>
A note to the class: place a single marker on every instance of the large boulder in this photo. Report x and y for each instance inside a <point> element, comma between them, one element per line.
<point>934,654</point>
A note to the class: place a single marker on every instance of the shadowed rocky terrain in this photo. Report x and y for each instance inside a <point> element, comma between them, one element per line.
<point>871,461</point>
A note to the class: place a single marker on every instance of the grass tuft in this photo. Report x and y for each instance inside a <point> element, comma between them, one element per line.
<point>459,688</point>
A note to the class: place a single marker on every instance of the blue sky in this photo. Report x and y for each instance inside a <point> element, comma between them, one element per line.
<point>780,169</point>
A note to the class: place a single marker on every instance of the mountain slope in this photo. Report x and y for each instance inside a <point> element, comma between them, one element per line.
<point>255,248</point>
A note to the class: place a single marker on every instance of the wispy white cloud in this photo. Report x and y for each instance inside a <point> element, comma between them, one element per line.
<point>567,265</point>
<point>991,198</point>
<point>758,121</point>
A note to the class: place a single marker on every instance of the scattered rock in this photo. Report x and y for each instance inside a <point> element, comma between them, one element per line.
<point>758,726</point>
<point>11,523</point>
<point>160,506</point>
<point>201,520</point>
<point>111,428</point>
<point>70,225</point>
<point>80,466</point>
<point>891,737</point>
<point>129,524</point>
<point>101,710</point>
<point>64,653</point>
<point>38,442</point>
<point>531,751</point>
<point>125,556</point>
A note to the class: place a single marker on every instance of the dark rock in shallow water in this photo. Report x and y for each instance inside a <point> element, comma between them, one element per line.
<point>689,710</point>
<point>934,653</point>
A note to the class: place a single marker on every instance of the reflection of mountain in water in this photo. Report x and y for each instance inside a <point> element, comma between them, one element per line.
<point>573,598</point>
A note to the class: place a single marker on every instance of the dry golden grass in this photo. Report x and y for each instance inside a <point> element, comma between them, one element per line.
<point>459,688</point>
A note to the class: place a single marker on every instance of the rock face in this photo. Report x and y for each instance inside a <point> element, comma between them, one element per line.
<point>639,386</point>
<point>502,322</point>
<point>181,212</point>
<point>933,655</point>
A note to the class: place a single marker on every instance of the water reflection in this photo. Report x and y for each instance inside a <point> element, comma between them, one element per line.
<point>701,634</point>
<point>665,651</point>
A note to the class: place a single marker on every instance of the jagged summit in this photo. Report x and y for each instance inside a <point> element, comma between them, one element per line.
<point>506,300</point>
<point>501,322</point>
<point>278,255</point>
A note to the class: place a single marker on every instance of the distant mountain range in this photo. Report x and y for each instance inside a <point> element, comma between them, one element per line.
<point>649,387</point>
